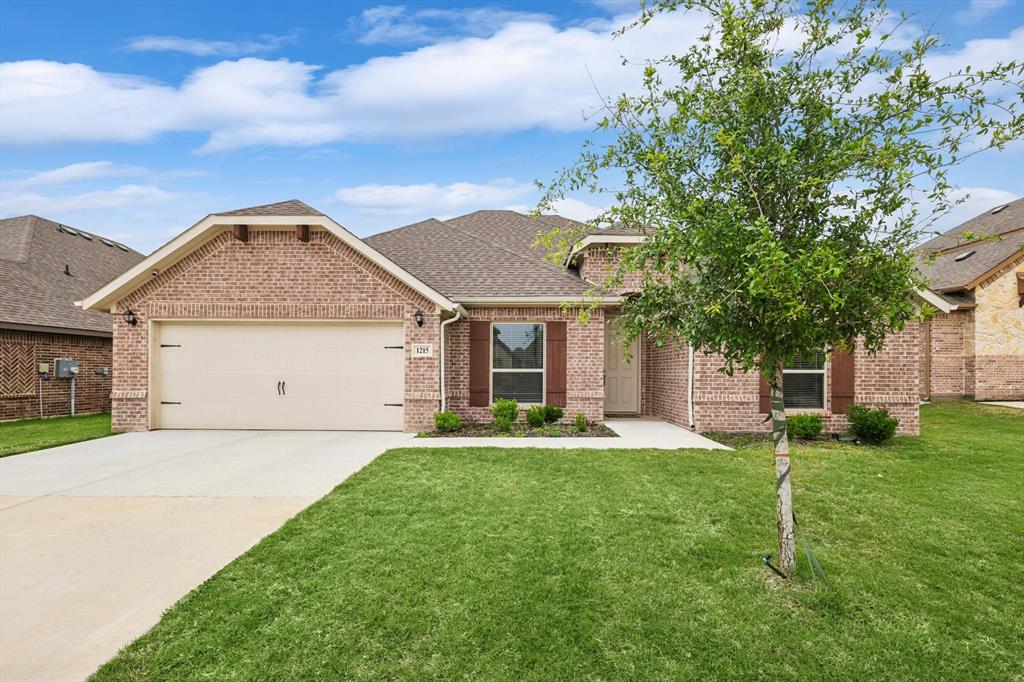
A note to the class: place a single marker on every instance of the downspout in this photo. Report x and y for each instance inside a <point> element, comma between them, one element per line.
<point>689,390</point>
<point>458,316</point>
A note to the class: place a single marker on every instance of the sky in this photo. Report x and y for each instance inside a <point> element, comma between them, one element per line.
<point>134,120</point>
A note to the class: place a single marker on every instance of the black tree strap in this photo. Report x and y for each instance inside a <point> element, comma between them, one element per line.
<point>811,558</point>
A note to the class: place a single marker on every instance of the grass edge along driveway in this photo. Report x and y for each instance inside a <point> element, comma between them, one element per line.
<point>28,435</point>
<point>535,564</point>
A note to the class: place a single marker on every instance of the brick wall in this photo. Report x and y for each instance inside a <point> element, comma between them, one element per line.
<point>21,352</point>
<point>666,382</point>
<point>584,360</point>
<point>889,379</point>
<point>599,261</point>
<point>273,276</point>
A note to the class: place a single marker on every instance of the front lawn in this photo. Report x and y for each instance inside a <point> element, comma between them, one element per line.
<point>27,435</point>
<point>548,564</point>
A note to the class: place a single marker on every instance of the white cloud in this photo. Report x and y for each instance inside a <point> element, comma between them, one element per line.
<point>528,74</point>
<point>396,24</point>
<point>208,48</point>
<point>978,200</point>
<point>576,209</point>
<point>429,199</point>
<point>979,10</point>
<point>119,197</point>
<point>75,172</point>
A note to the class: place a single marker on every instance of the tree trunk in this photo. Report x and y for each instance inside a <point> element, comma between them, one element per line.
<point>783,486</point>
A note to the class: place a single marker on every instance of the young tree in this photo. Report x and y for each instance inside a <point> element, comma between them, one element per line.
<point>786,164</point>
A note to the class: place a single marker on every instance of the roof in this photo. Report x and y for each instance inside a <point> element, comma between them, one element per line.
<point>268,215</point>
<point>480,254</point>
<point>1002,228</point>
<point>289,207</point>
<point>33,254</point>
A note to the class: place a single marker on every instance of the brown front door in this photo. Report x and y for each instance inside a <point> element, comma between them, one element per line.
<point>621,376</point>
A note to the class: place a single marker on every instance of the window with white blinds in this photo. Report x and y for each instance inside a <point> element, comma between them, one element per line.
<point>517,362</point>
<point>803,383</point>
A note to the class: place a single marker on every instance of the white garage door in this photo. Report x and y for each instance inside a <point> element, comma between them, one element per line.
<point>279,376</point>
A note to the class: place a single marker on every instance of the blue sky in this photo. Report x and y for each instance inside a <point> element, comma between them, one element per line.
<point>134,120</point>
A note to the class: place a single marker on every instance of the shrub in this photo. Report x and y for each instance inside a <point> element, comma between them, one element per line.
<point>804,426</point>
<point>507,409</point>
<point>552,413</point>
<point>871,426</point>
<point>536,415</point>
<point>581,422</point>
<point>447,421</point>
<point>503,423</point>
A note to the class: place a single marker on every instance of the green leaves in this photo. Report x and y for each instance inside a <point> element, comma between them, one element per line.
<point>787,189</point>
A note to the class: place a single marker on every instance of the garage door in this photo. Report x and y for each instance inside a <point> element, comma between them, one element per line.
<point>279,376</point>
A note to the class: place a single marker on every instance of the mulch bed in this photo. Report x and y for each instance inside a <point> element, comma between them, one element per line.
<point>523,430</point>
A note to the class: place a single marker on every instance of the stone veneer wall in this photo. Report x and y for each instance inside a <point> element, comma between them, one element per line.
<point>584,360</point>
<point>21,352</point>
<point>273,276</point>
<point>999,337</point>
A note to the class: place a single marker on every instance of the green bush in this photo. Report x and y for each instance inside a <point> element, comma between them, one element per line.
<point>871,426</point>
<point>552,413</point>
<point>581,422</point>
<point>535,416</point>
<point>804,426</point>
<point>503,423</point>
<point>447,421</point>
<point>506,409</point>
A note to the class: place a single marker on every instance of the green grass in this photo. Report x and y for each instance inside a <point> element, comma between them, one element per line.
<point>526,564</point>
<point>27,435</point>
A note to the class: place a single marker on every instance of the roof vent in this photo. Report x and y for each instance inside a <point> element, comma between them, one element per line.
<point>67,269</point>
<point>106,242</point>
<point>122,247</point>
<point>964,256</point>
<point>68,230</point>
<point>997,210</point>
<point>87,236</point>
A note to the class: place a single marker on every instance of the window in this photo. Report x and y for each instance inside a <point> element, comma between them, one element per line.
<point>803,383</point>
<point>517,362</point>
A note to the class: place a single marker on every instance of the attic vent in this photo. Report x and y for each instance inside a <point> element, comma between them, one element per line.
<point>997,210</point>
<point>123,248</point>
<point>87,236</point>
<point>106,242</point>
<point>964,256</point>
<point>68,230</point>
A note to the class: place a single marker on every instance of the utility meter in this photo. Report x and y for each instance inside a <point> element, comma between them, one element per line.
<point>65,368</point>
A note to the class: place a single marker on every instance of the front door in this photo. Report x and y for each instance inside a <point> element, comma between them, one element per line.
<point>621,376</point>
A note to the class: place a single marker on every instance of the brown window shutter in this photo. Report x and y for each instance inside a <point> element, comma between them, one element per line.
<point>555,361</point>
<point>764,396</point>
<point>842,381</point>
<point>479,363</point>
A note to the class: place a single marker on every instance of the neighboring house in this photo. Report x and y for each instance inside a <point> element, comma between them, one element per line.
<point>973,347</point>
<point>44,268</point>
<point>277,317</point>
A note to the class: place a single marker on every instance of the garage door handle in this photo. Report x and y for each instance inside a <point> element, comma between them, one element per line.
<point>279,388</point>
<point>392,404</point>
<point>284,390</point>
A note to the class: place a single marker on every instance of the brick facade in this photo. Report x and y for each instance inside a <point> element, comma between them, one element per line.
<point>273,276</point>
<point>584,360</point>
<point>21,353</point>
<point>598,262</point>
<point>977,353</point>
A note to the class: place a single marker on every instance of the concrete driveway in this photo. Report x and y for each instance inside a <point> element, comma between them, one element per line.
<point>97,539</point>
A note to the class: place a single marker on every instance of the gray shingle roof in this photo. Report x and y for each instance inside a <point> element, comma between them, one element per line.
<point>485,253</point>
<point>33,287</point>
<point>289,207</point>
<point>946,273</point>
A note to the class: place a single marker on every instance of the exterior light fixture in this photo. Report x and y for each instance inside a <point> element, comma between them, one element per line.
<point>419,318</point>
<point>129,317</point>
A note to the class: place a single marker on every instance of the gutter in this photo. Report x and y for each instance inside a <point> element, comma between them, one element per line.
<point>445,323</point>
<point>689,391</point>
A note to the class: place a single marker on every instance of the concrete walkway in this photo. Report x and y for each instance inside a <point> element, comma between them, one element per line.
<point>97,539</point>
<point>1019,404</point>
<point>633,433</point>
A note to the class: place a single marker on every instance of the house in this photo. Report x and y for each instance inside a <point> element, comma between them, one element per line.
<point>973,347</point>
<point>275,316</point>
<point>44,268</point>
